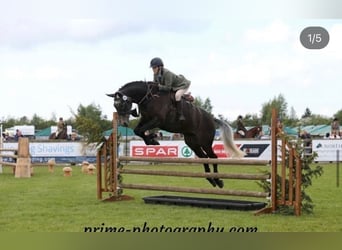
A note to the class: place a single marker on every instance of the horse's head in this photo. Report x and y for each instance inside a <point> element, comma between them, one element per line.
<point>123,105</point>
<point>138,92</point>
<point>258,131</point>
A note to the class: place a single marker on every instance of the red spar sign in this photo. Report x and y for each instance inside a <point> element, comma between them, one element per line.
<point>155,151</point>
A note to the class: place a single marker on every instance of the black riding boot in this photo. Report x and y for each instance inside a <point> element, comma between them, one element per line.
<point>179,107</point>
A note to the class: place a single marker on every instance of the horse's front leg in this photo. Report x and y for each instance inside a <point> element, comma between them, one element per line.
<point>142,130</point>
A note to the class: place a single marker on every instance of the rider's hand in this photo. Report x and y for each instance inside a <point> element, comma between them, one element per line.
<point>162,88</point>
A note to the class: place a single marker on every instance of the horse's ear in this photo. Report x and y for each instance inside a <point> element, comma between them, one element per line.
<point>115,95</point>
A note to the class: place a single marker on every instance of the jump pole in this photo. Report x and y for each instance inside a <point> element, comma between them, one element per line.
<point>196,160</point>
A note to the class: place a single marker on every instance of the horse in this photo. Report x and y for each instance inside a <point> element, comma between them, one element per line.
<point>157,110</point>
<point>62,135</point>
<point>251,133</point>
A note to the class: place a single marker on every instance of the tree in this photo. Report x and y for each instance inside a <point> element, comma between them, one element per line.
<point>90,122</point>
<point>40,123</point>
<point>307,113</point>
<point>279,103</point>
<point>292,120</point>
<point>9,122</point>
<point>314,119</point>
<point>338,115</point>
<point>23,120</point>
<point>206,104</point>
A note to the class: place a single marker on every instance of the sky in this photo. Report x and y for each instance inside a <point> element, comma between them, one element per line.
<point>56,55</point>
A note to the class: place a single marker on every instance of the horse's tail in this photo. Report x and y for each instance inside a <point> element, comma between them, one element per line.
<point>228,140</point>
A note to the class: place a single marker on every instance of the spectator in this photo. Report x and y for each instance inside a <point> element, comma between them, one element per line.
<point>17,135</point>
<point>306,137</point>
<point>161,136</point>
<point>335,129</point>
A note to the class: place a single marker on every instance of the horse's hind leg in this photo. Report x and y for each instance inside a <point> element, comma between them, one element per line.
<point>201,154</point>
<point>218,181</point>
<point>210,153</point>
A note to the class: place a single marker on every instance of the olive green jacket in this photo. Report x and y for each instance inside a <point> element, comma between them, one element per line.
<point>169,81</point>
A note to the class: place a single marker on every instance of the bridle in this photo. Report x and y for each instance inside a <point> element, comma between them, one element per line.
<point>126,99</point>
<point>148,94</point>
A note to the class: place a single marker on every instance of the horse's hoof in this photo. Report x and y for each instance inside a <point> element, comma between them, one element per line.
<point>219,183</point>
<point>212,182</point>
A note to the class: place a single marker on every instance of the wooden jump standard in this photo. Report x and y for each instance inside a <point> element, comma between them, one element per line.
<point>280,193</point>
<point>22,164</point>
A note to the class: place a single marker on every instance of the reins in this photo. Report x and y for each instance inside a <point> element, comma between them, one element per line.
<point>148,94</point>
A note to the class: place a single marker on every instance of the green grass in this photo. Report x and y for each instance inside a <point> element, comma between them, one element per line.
<point>50,202</point>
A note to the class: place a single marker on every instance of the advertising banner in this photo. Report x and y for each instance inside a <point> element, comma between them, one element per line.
<point>76,152</point>
<point>62,152</point>
<point>327,149</point>
<point>253,149</point>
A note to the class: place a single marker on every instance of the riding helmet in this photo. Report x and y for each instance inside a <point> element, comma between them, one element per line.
<point>156,62</point>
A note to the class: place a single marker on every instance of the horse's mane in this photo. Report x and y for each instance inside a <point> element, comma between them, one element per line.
<point>127,85</point>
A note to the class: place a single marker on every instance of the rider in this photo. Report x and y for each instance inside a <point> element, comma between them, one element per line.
<point>168,81</point>
<point>60,126</point>
<point>240,127</point>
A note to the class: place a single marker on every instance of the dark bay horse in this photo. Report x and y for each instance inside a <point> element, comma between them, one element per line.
<point>62,135</point>
<point>251,133</point>
<point>158,110</point>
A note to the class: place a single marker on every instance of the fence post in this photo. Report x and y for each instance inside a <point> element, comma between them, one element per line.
<point>337,168</point>
<point>23,167</point>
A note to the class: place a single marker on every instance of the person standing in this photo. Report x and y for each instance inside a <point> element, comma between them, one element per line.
<point>335,128</point>
<point>17,135</point>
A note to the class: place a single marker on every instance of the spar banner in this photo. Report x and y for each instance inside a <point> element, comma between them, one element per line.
<point>327,149</point>
<point>253,149</point>
<point>177,149</point>
<point>62,152</point>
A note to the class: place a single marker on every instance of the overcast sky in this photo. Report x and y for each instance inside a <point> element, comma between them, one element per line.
<point>56,55</point>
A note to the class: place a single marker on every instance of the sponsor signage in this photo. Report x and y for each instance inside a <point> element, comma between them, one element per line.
<point>166,149</point>
<point>256,150</point>
<point>219,150</point>
<point>62,152</point>
<point>253,149</point>
<point>327,149</point>
<point>155,151</point>
<point>66,152</point>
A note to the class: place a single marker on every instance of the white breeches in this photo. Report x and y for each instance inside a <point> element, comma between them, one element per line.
<point>180,93</point>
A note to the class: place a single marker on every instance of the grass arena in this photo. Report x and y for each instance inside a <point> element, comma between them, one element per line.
<point>51,202</point>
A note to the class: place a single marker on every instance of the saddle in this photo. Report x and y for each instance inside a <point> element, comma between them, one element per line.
<point>188,97</point>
